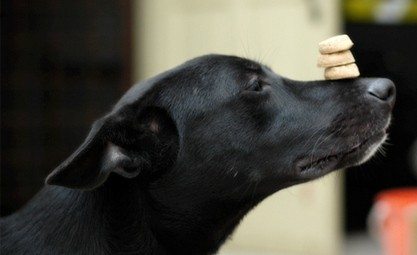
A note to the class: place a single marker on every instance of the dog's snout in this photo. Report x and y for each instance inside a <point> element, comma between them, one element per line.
<point>382,89</point>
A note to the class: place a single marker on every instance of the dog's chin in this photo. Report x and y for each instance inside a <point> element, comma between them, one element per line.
<point>314,166</point>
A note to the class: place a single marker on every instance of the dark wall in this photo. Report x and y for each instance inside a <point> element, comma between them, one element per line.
<point>63,64</point>
<point>385,51</point>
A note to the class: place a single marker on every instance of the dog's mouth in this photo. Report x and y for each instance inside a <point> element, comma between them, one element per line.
<point>313,166</point>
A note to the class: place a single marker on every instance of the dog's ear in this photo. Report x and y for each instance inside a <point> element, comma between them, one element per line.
<point>122,145</point>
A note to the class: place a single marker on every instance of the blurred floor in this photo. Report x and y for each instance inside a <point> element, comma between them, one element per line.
<point>359,243</point>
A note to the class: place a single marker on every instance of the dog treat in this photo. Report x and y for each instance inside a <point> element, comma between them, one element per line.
<point>335,44</point>
<point>341,72</point>
<point>336,59</point>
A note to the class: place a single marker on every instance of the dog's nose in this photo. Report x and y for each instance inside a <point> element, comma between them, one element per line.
<point>383,90</point>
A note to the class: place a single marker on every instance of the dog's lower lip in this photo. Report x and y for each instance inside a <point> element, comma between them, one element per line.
<point>310,163</point>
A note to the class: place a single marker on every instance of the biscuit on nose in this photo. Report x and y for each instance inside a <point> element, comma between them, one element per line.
<point>341,72</point>
<point>335,44</point>
<point>337,59</point>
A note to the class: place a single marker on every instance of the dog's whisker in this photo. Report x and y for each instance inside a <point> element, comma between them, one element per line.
<point>319,142</point>
<point>245,51</point>
<point>311,137</point>
<point>266,53</point>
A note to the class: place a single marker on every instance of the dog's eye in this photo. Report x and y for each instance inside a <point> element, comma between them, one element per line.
<point>257,85</point>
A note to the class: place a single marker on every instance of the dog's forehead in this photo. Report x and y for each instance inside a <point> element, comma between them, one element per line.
<point>206,73</point>
<point>226,61</point>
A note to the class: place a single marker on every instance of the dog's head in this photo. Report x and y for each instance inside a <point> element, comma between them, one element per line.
<point>229,122</point>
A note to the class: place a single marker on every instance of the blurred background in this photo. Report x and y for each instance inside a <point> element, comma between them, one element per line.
<point>64,63</point>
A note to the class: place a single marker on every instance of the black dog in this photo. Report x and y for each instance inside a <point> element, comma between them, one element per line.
<point>178,162</point>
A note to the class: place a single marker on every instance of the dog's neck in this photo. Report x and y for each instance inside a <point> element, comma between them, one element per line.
<point>120,217</point>
<point>172,219</point>
<point>192,220</point>
<point>57,221</point>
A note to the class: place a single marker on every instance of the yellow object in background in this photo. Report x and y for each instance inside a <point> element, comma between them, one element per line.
<point>381,11</point>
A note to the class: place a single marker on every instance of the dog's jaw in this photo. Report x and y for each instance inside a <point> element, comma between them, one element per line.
<point>311,167</point>
<point>372,150</point>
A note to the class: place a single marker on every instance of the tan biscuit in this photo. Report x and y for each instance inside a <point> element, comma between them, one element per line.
<point>335,44</point>
<point>341,72</point>
<point>336,59</point>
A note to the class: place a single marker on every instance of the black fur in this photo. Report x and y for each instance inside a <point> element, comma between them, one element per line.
<point>183,156</point>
